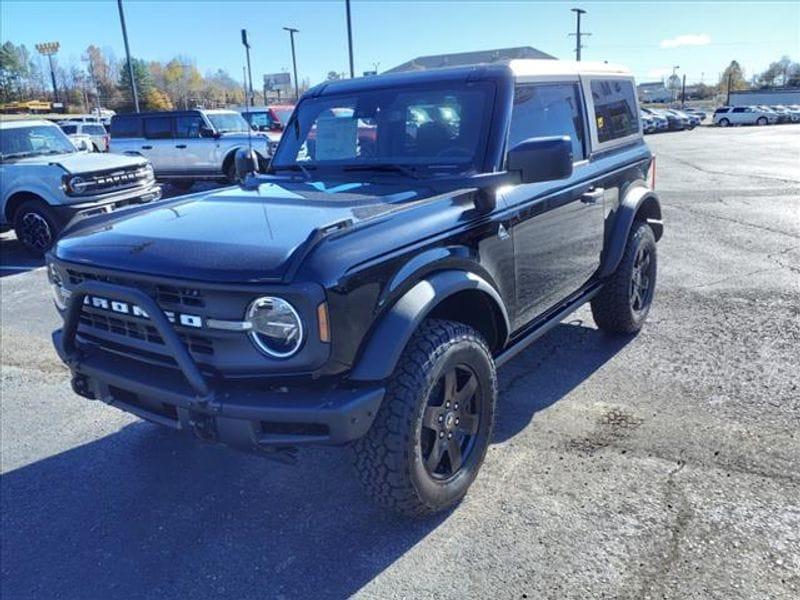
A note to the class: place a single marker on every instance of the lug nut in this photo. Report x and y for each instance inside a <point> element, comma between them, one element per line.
<point>456,420</point>
<point>455,406</point>
<point>441,418</point>
<point>441,434</point>
<point>447,405</point>
<point>449,436</point>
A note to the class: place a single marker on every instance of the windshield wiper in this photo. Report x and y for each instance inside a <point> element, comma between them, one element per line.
<point>296,167</point>
<point>384,167</point>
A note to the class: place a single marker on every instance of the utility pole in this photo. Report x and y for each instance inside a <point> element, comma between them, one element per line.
<point>292,31</point>
<point>246,45</point>
<point>730,80</point>
<point>672,84</point>
<point>349,38</point>
<point>128,56</point>
<point>683,91</point>
<point>578,33</point>
<point>49,49</point>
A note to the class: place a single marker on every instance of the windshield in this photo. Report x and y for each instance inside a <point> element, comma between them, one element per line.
<point>228,122</point>
<point>18,142</point>
<point>438,126</point>
<point>260,120</point>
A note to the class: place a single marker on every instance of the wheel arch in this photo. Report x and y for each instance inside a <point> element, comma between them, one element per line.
<point>640,203</point>
<point>16,199</point>
<point>456,295</point>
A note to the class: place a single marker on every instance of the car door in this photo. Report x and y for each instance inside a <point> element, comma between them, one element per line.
<point>556,227</point>
<point>740,115</point>
<point>158,143</point>
<point>193,152</point>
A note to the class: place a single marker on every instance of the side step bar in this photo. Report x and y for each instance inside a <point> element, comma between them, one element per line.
<point>546,324</point>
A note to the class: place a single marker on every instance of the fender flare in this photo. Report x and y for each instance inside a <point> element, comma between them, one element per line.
<point>637,198</point>
<point>386,342</point>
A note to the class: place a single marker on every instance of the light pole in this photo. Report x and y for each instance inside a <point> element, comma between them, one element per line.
<point>673,84</point>
<point>128,55</point>
<point>246,45</point>
<point>350,38</point>
<point>578,34</point>
<point>292,31</point>
<point>48,49</point>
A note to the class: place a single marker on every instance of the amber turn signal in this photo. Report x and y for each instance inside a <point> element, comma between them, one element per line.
<point>322,320</point>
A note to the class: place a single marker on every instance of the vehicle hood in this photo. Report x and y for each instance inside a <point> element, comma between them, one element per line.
<point>232,235</point>
<point>88,162</point>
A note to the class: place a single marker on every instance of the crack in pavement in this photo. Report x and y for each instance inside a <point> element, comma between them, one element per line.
<point>730,220</point>
<point>728,174</point>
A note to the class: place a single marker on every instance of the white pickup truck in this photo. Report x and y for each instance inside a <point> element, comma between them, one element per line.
<point>45,182</point>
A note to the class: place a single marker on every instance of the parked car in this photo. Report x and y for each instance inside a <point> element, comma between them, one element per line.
<point>648,123</point>
<point>188,146</point>
<point>45,182</point>
<point>685,121</point>
<point>269,120</point>
<point>369,298</point>
<point>96,132</point>
<point>769,110</point>
<point>742,115</point>
<point>695,111</point>
<point>675,122</point>
<point>661,122</point>
<point>81,141</point>
<point>785,114</point>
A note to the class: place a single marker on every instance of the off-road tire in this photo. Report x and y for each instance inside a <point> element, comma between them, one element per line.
<point>388,460</point>
<point>31,220</point>
<point>613,309</point>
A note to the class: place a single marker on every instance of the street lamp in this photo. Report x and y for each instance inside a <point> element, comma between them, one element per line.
<point>292,31</point>
<point>48,49</point>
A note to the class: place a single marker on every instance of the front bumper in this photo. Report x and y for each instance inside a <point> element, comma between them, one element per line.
<point>109,202</point>
<point>237,414</point>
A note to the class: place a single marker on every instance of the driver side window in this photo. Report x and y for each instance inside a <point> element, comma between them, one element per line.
<point>548,109</point>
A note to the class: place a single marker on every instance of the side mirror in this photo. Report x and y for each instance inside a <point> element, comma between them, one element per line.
<point>83,146</point>
<point>541,159</point>
<point>207,132</point>
<point>246,163</point>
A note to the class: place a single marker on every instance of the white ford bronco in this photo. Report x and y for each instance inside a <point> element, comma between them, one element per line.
<point>45,182</point>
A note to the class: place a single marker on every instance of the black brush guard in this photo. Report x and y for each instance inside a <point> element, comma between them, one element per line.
<point>184,398</point>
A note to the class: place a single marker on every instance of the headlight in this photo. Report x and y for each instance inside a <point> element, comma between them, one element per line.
<point>61,295</point>
<point>76,184</point>
<point>148,171</point>
<point>276,327</point>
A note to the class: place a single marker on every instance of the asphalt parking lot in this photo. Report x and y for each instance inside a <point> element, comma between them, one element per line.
<point>661,466</point>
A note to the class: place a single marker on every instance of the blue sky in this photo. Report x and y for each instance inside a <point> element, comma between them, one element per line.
<point>649,38</point>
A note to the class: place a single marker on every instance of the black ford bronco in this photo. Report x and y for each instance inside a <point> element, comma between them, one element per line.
<point>414,232</point>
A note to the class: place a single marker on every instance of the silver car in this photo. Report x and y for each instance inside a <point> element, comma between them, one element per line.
<point>188,146</point>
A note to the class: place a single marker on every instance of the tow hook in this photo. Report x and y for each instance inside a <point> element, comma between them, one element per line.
<point>203,426</point>
<point>80,385</point>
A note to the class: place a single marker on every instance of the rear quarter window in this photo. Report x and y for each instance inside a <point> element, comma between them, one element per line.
<point>614,109</point>
<point>126,127</point>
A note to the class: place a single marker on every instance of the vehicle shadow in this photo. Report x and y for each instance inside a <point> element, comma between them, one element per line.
<point>547,371</point>
<point>13,257</point>
<point>145,512</point>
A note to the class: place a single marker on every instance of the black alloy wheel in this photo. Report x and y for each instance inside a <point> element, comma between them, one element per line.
<point>450,422</point>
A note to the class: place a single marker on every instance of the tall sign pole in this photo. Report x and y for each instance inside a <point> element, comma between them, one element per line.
<point>292,31</point>
<point>350,38</point>
<point>246,45</point>
<point>128,56</point>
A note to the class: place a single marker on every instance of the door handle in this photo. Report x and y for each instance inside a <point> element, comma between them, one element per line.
<point>181,146</point>
<point>592,196</point>
<point>147,147</point>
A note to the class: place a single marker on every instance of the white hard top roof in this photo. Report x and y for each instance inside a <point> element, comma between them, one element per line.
<point>16,123</point>
<point>527,67</point>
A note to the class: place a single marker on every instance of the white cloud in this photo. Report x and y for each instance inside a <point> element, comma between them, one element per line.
<point>659,73</point>
<point>688,39</point>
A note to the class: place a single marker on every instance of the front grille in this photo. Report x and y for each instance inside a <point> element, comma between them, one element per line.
<point>136,329</point>
<point>109,181</point>
<point>163,294</point>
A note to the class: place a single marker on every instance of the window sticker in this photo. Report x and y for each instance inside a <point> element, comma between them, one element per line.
<point>336,138</point>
